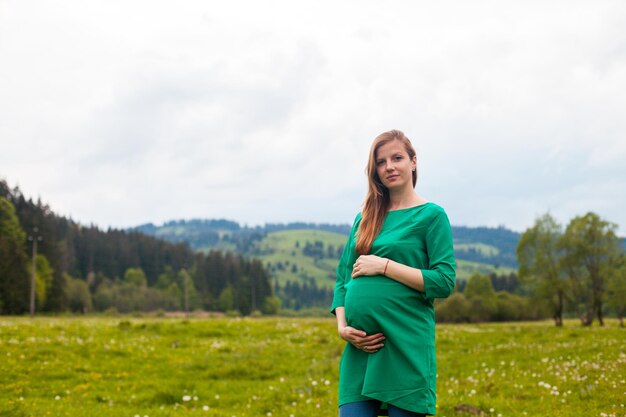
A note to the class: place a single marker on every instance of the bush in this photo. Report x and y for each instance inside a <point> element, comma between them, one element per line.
<point>111,311</point>
<point>232,313</point>
<point>227,299</point>
<point>454,309</point>
<point>124,325</point>
<point>271,305</point>
<point>511,307</point>
<point>482,298</point>
<point>78,295</point>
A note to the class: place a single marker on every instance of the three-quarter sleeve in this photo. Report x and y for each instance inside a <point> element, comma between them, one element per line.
<point>440,275</point>
<point>344,268</point>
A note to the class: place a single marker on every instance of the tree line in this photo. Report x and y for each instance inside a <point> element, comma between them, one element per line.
<point>206,233</point>
<point>81,268</point>
<point>297,296</point>
<point>579,271</point>
<point>573,271</point>
<point>317,250</point>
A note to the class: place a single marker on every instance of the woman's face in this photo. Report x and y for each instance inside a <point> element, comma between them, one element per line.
<point>394,166</point>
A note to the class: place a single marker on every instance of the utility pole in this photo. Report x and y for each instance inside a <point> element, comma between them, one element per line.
<point>186,278</point>
<point>35,237</point>
<point>253,295</point>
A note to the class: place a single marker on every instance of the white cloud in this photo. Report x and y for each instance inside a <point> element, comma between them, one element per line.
<point>125,112</point>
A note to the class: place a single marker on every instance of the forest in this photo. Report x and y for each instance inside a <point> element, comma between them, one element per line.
<point>573,271</point>
<point>83,268</point>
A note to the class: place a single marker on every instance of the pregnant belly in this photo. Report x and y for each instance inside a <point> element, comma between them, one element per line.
<point>372,303</point>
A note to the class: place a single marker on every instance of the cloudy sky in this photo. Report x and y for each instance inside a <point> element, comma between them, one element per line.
<point>125,112</point>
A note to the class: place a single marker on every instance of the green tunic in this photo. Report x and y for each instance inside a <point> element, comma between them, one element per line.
<point>402,373</point>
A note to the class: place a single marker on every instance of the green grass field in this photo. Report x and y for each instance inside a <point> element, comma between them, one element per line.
<point>288,367</point>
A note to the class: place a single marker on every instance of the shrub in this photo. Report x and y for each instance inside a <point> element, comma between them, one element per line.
<point>271,305</point>
<point>454,309</point>
<point>232,313</point>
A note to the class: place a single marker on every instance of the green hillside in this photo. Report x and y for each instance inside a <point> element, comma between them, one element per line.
<point>284,254</point>
<point>482,248</point>
<point>302,257</point>
<point>465,269</point>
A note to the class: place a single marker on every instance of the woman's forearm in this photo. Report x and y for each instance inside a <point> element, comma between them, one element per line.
<point>369,265</point>
<point>407,275</point>
<point>340,312</point>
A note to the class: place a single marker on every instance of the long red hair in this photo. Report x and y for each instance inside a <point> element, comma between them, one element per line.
<point>376,202</point>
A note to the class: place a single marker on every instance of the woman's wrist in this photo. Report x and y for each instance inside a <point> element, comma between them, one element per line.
<point>340,331</point>
<point>386,265</point>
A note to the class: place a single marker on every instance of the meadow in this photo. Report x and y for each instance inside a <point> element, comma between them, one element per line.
<point>149,366</point>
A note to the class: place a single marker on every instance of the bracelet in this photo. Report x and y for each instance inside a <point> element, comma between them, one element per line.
<point>385,270</point>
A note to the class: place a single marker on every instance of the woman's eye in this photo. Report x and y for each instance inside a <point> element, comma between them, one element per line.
<point>379,163</point>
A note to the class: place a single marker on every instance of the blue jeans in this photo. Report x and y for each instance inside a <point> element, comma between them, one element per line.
<point>370,408</point>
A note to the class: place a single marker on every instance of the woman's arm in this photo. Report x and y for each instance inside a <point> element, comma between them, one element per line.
<point>346,260</point>
<point>375,265</point>
<point>437,281</point>
<point>358,338</point>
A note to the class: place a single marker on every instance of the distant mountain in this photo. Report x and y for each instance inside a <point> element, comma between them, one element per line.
<point>221,234</point>
<point>477,249</point>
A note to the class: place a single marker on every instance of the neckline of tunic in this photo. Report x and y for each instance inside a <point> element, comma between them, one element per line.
<point>409,208</point>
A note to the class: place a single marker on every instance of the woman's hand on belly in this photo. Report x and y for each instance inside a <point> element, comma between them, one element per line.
<point>360,339</point>
<point>368,265</point>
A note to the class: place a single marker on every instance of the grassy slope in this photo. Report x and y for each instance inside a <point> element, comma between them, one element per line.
<point>466,269</point>
<point>283,246</point>
<point>280,367</point>
<point>222,246</point>
<point>483,248</point>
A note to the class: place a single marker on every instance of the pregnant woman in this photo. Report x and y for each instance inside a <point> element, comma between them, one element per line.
<point>397,260</point>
